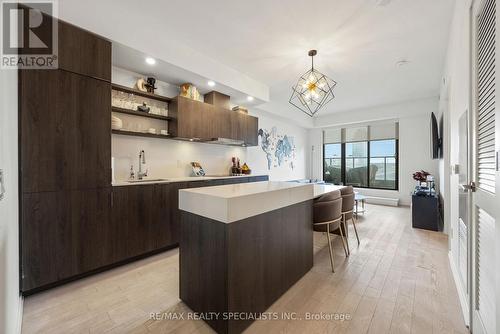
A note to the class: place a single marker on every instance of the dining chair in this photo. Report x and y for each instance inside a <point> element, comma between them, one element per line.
<point>347,194</point>
<point>327,217</point>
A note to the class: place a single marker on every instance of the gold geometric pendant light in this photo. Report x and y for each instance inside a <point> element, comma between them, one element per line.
<point>313,90</point>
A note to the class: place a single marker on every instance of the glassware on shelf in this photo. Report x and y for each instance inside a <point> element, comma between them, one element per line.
<point>157,107</point>
<point>114,98</point>
<point>129,102</point>
<point>122,97</point>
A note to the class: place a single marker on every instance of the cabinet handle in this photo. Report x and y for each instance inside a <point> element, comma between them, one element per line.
<point>112,198</point>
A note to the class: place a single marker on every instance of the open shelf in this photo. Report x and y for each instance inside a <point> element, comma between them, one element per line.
<point>140,134</point>
<point>140,114</point>
<point>140,93</point>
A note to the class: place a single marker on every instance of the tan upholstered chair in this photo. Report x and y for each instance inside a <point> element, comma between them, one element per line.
<point>328,217</point>
<point>347,211</point>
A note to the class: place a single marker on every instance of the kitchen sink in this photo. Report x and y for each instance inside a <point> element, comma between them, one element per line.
<point>146,180</point>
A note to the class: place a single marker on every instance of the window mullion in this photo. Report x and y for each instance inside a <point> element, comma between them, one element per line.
<point>368,164</point>
<point>342,164</point>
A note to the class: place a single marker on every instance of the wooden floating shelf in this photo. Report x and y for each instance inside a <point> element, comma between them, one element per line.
<point>140,113</point>
<point>140,134</point>
<point>140,93</point>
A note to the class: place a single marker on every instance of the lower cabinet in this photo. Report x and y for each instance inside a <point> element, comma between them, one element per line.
<point>141,217</point>
<point>175,213</point>
<point>131,214</point>
<point>63,234</point>
<point>66,234</point>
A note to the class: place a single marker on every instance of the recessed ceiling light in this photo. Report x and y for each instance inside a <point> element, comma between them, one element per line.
<point>250,98</point>
<point>211,83</point>
<point>150,61</point>
<point>402,62</point>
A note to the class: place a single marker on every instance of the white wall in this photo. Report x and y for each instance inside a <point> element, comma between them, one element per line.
<point>257,158</point>
<point>414,141</point>
<point>10,301</point>
<point>171,158</point>
<point>455,99</point>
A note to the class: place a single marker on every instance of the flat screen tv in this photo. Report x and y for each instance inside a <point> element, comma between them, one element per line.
<point>435,140</point>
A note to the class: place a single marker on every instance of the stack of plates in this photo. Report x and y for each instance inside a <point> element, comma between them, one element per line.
<point>116,123</point>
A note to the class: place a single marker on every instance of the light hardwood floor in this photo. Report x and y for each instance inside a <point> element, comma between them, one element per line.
<point>397,281</point>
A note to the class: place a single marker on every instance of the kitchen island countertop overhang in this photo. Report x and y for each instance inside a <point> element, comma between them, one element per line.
<point>230,203</point>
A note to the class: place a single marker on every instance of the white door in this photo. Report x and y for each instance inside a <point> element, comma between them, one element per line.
<point>485,139</point>
<point>464,250</point>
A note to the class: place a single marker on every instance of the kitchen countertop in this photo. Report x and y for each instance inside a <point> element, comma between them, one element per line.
<point>179,179</point>
<point>321,189</point>
<point>230,203</point>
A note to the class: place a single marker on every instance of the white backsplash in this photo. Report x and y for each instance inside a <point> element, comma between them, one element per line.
<point>171,158</point>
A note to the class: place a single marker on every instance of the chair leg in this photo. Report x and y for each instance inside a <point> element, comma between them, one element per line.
<point>355,229</point>
<point>344,219</point>
<point>343,241</point>
<point>346,236</point>
<point>330,246</point>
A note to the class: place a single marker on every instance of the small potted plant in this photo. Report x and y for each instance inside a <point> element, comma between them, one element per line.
<point>421,178</point>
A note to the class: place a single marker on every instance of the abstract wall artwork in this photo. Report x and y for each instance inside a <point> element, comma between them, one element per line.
<point>279,149</point>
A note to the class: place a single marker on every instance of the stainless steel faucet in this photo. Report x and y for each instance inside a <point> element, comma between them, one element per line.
<point>142,160</point>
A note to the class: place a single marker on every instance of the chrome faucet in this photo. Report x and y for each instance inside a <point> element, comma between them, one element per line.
<point>142,160</point>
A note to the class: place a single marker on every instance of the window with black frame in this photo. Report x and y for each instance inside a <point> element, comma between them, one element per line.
<point>362,156</point>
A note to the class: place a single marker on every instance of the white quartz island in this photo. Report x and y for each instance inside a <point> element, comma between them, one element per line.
<point>234,202</point>
<point>242,246</point>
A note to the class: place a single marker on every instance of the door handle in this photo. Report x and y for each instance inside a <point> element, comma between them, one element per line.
<point>469,187</point>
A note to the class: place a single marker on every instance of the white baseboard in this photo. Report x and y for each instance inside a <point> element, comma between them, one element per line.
<point>462,296</point>
<point>20,315</point>
<point>382,200</point>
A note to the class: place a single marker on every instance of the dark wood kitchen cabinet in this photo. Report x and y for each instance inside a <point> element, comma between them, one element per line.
<point>244,127</point>
<point>132,212</point>
<point>78,50</point>
<point>221,123</point>
<point>141,216</point>
<point>64,131</point>
<point>64,161</point>
<point>203,121</point>
<point>251,130</point>
<point>63,234</point>
<point>83,52</point>
<point>192,118</point>
<point>70,233</point>
<point>175,213</point>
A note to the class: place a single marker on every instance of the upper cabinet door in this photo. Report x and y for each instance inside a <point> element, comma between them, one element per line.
<point>83,52</point>
<point>237,124</point>
<point>221,123</point>
<point>193,118</point>
<point>65,131</point>
<point>252,131</point>
<point>198,120</point>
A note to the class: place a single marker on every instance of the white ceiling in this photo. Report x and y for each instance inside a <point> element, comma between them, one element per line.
<point>358,42</point>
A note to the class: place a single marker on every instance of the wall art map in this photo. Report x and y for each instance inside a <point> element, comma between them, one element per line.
<point>279,149</point>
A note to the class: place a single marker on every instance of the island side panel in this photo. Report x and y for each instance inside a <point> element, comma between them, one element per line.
<point>203,266</point>
<point>267,254</point>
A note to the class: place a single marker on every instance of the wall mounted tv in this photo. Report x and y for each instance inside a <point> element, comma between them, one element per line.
<point>435,139</point>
